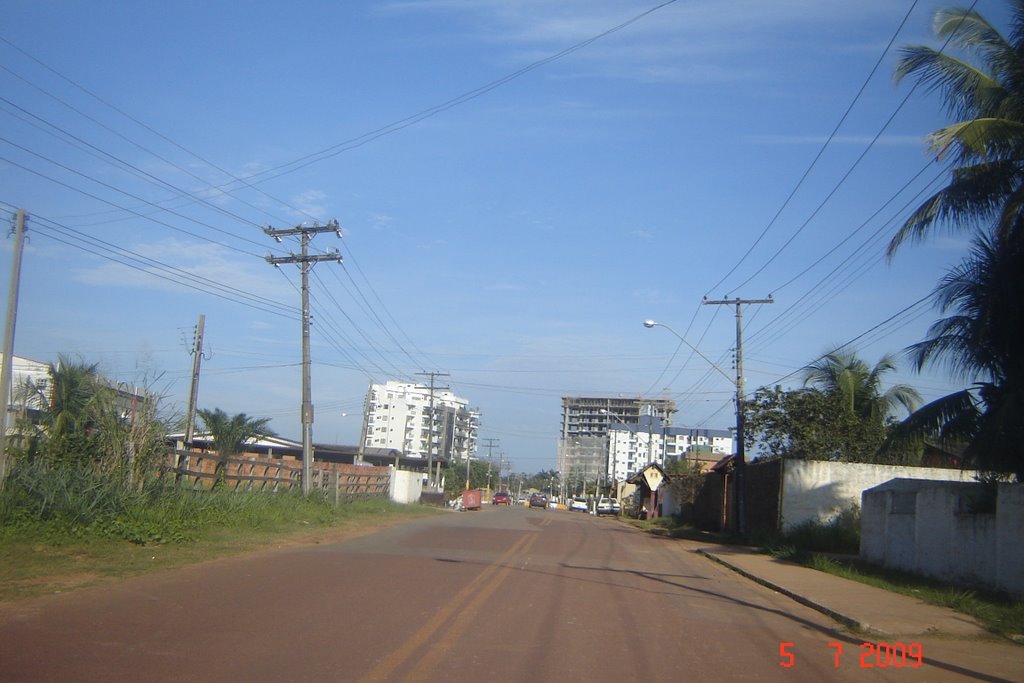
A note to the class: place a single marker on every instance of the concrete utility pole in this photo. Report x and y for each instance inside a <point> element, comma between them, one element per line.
<point>366,425</point>
<point>193,395</point>
<point>741,451</point>
<point>8,362</point>
<point>305,262</point>
<point>430,429</point>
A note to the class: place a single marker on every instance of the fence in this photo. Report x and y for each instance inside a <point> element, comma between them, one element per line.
<point>201,470</point>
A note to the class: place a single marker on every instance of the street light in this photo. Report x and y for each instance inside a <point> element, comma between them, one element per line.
<point>740,449</point>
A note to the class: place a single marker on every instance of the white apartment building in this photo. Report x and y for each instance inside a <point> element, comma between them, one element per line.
<point>398,416</point>
<point>633,447</point>
<point>583,442</point>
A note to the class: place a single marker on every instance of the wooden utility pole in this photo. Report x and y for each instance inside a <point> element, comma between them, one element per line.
<point>8,360</point>
<point>741,451</point>
<point>305,261</point>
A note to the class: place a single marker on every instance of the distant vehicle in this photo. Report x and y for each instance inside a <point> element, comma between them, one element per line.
<point>538,500</point>
<point>578,504</point>
<point>608,506</point>
<point>501,498</point>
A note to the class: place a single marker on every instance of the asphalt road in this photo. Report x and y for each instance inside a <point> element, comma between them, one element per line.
<point>507,594</point>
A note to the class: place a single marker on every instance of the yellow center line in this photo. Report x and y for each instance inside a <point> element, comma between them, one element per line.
<point>399,656</point>
<point>467,615</point>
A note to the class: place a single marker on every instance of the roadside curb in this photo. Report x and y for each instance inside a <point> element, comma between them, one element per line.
<point>844,619</point>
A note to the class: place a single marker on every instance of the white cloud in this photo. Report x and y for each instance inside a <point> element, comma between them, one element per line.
<point>311,202</point>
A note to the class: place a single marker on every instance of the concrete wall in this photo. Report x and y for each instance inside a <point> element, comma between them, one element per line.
<point>934,528</point>
<point>816,490</point>
<point>406,487</point>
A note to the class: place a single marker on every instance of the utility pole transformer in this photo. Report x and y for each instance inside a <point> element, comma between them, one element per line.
<point>741,451</point>
<point>6,371</point>
<point>305,261</point>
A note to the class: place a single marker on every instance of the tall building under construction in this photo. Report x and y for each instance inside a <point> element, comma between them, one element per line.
<point>583,442</point>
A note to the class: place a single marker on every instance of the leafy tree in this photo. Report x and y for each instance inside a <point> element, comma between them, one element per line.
<point>455,477</point>
<point>229,435</point>
<point>809,424</point>
<point>858,388</point>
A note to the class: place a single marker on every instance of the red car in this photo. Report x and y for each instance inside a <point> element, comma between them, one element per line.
<point>501,498</point>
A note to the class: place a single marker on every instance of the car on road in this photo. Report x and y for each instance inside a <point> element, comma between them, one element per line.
<point>538,500</point>
<point>578,504</point>
<point>501,498</point>
<point>608,506</point>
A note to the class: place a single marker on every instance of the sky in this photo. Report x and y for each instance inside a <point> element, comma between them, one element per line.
<point>519,185</point>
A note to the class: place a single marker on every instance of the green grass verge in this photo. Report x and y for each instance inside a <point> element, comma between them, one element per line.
<point>998,613</point>
<point>39,557</point>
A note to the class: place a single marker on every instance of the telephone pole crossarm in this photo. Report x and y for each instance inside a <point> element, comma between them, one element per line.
<point>741,454</point>
<point>306,262</point>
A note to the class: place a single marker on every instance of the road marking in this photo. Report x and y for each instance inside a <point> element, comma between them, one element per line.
<point>424,668</point>
<point>386,666</point>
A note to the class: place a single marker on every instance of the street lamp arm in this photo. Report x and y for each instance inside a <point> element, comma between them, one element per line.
<point>650,323</point>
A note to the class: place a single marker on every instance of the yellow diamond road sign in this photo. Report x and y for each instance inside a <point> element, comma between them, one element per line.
<point>653,477</point>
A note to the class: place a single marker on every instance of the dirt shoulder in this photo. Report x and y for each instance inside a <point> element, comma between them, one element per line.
<point>29,570</point>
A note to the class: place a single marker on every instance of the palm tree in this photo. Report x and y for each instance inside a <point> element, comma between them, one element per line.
<point>980,340</point>
<point>980,343</point>
<point>859,387</point>
<point>229,435</point>
<point>986,141</point>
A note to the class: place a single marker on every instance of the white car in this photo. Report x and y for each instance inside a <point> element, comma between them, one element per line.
<point>608,506</point>
<point>578,504</point>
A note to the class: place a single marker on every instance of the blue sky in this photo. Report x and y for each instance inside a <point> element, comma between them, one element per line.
<point>512,208</point>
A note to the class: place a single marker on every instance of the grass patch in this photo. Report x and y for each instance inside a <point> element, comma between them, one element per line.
<point>998,613</point>
<point>72,531</point>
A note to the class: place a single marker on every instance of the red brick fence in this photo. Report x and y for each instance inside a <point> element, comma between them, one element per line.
<point>249,472</point>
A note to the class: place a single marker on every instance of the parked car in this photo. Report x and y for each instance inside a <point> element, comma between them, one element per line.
<point>608,506</point>
<point>538,500</point>
<point>501,498</point>
<point>578,504</point>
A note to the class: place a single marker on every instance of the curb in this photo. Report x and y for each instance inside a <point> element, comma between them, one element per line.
<point>841,618</point>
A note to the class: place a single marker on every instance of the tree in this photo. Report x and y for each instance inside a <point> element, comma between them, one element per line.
<point>229,435</point>
<point>858,388</point>
<point>986,141</point>
<point>980,343</point>
<point>980,340</point>
<point>809,424</point>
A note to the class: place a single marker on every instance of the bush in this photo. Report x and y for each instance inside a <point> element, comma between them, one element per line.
<point>841,534</point>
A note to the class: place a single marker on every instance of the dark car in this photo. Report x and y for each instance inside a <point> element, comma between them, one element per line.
<point>501,498</point>
<point>538,501</point>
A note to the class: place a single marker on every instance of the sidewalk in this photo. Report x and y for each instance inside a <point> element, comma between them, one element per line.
<point>849,602</point>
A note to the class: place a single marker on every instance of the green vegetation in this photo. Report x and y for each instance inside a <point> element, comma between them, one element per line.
<point>979,339</point>
<point>841,414</point>
<point>84,500</point>
<point>996,612</point>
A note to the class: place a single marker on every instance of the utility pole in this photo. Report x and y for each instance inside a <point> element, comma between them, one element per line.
<point>741,451</point>
<point>197,359</point>
<point>305,262</point>
<point>363,433</point>
<point>8,361</point>
<point>430,431</point>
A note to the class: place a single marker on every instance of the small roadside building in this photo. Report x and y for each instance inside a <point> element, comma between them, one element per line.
<point>652,490</point>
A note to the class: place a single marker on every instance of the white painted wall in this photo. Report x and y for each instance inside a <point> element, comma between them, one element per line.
<point>939,538</point>
<point>405,487</point>
<point>816,490</point>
